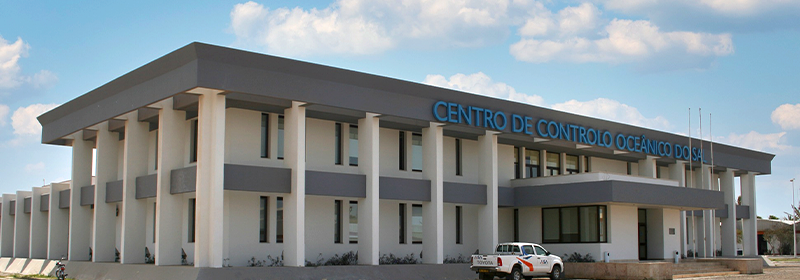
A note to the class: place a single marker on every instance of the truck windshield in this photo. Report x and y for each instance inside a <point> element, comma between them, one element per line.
<point>527,249</point>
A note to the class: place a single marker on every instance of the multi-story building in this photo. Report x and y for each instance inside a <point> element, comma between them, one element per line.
<point>223,155</point>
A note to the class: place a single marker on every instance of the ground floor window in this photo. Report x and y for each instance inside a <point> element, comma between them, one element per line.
<point>353,222</point>
<point>279,220</point>
<point>192,207</point>
<point>416,223</point>
<point>580,224</point>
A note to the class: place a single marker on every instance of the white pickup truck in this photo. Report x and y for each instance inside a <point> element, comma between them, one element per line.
<point>518,260</point>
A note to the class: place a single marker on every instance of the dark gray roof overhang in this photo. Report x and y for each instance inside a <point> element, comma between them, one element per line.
<point>241,73</point>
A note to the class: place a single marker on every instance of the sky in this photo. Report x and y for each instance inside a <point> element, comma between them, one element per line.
<point>641,62</point>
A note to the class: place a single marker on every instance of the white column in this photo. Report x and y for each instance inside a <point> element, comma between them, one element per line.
<point>368,211</point>
<point>38,248</point>
<point>487,219</point>
<point>543,164</point>
<point>105,220</point>
<point>677,172</point>
<point>168,206</point>
<point>709,233</point>
<point>7,227</point>
<point>749,230</point>
<point>22,227</point>
<point>562,166</point>
<point>728,239</point>
<point>521,167</point>
<point>582,161</point>
<point>294,204</point>
<point>209,242</point>
<point>433,211</point>
<point>647,167</point>
<point>80,217</point>
<point>58,224</point>
<point>133,211</point>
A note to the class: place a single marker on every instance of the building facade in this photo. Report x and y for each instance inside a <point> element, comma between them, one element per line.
<point>214,156</point>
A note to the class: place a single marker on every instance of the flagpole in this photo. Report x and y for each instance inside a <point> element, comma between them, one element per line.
<point>703,184</point>
<point>711,143</point>
<point>691,185</point>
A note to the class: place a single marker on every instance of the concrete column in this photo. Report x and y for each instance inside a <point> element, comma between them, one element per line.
<point>749,230</point>
<point>133,211</point>
<point>209,219</point>
<point>582,164</point>
<point>368,211</point>
<point>543,164</point>
<point>647,167</point>
<point>22,226</point>
<point>433,211</point>
<point>7,227</point>
<point>562,165</point>
<point>677,172</point>
<point>709,231</point>
<point>105,220</point>
<point>169,207</point>
<point>487,219</point>
<point>521,167</point>
<point>80,217</point>
<point>58,224</point>
<point>294,204</point>
<point>38,248</point>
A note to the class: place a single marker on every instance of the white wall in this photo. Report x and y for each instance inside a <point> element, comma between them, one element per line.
<point>242,215</point>
<point>470,161</point>
<point>530,224</point>
<point>469,227</point>
<point>390,229</point>
<point>656,231</point>
<point>320,227</point>
<point>150,225</point>
<point>599,164</point>
<point>505,166</point>
<point>390,155</point>
<point>243,138</point>
<point>505,220</point>
<point>672,242</point>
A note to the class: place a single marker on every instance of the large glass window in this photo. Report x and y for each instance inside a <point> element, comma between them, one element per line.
<point>263,220</point>
<point>337,217</point>
<point>571,165</point>
<point>416,152</point>
<point>337,144</point>
<point>553,164</point>
<point>353,222</point>
<point>416,223</point>
<point>264,135</point>
<point>402,216</point>
<point>531,163</point>
<point>353,145</point>
<point>279,221</point>
<point>193,142</point>
<point>581,224</point>
<point>402,155</point>
<point>516,163</point>
<point>280,136</point>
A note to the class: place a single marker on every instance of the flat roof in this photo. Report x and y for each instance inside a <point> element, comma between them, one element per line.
<point>254,77</point>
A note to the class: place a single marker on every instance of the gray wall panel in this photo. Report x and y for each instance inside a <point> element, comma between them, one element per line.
<point>742,211</point>
<point>722,212</point>
<point>405,189</point>
<point>616,191</point>
<point>87,195</point>
<point>593,192</point>
<point>26,205</point>
<point>63,199</point>
<point>146,186</point>
<point>114,191</point>
<point>336,184</point>
<point>464,193</point>
<point>505,197</point>
<point>44,205</point>
<point>183,180</point>
<point>257,178</point>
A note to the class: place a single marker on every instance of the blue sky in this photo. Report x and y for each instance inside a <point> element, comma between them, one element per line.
<point>639,62</point>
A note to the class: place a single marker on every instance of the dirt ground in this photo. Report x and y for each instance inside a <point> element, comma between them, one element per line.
<point>783,270</point>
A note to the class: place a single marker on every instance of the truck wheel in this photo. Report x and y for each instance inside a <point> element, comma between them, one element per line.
<point>556,273</point>
<point>485,276</point>
<point>516,274</point>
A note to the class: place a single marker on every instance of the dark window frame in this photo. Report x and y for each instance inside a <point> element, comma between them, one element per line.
<point>193,141</point>
<point>421,153</point>
<point>350,138</point>
<point>532,170</point>
<point>517,156</point>
<point>403,154</point>
<point>192,228</point>
<point>459,225</point>
<point>459,158</point>
<point>577,168</point>
<point>263,230</point>
<point>264,135</point>
<point>600,225</point>
<point>281,136</point>
<point>279,220</point>
<point>403,222</point>
<point>337,136</point>
<point>337,212</point>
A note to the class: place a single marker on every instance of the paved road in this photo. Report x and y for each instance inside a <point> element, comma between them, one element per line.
<point>783,270</point>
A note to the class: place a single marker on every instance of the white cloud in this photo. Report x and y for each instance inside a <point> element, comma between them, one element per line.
<point>373,26</point>
<point>737,8</point>
<point>757,141</point>
<point>612,110</point>
<point>24,119</point>
<point>787,116</point>
<point>33,167</point>
<point>480,83</point>
<point>10,71</point>
<point>3,114</point>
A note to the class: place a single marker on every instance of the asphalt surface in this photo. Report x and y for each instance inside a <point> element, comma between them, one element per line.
<point>783,270</point>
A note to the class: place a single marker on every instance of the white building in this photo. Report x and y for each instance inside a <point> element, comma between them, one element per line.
<point>228,155</point>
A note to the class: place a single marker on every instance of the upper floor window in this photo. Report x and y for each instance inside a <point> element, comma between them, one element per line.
<point>531,163</point>
<point>458,158</point>
<point>517,174</point>
<point>402,155</point>
<point>553,164</point>
<point>337,144</point>
<point>353,145</point>
<point>416,152</point>
<point>193,142</point>
<point>572,164</point>
<point>280,137</point>
<point>264,135</point>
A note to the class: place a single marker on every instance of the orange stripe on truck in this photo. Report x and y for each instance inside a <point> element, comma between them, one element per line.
<point>529,265</point>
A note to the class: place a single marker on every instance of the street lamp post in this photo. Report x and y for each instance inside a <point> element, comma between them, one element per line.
<point>794,223</point>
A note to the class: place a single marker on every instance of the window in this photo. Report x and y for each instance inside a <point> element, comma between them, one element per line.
<point>416,223</point>
<point>192,206</point>
<point>630,169</point>
<point>553,164</point>
<point>416,152</point>
<point>516,225</point>
<point>402,155</point>
<point>458,158</point>
<point>517,174</point>
<point>583,224</point>
<point>279,221</point>
<point>337,221</point>
<point>402,215</point>
<point>353,145</point>
<point>156,154</point>
<point>263,230</point>
<point>280,136</point>
<point>264,135</point>
<point>540,251</point>
<point>154,222</point>
<point>337,144</point>
<point>193,142</point>
<point>585,164</point>
<point>527,250</point>
<point>458,225</point>
<point>531,163</point>
<point>353,222</point>
<point>571,164</point>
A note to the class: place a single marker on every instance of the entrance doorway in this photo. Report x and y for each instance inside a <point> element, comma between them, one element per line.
<point>642,234</point>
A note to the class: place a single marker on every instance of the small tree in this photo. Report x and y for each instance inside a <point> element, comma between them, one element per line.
<point>773,217</point>
<point>779,238</point>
